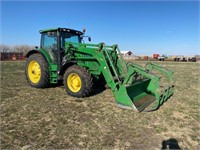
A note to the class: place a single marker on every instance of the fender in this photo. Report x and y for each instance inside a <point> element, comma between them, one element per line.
<point>44,54</point>
<point>66,65</point>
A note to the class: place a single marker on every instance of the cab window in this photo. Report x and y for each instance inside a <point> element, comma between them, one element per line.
<point>69,37</point>
<point>49,42</point>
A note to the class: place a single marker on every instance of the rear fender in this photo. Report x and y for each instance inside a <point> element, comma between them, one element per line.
<point>44,54</point>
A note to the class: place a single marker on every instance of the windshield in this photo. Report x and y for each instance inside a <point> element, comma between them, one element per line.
<point>69,37</point>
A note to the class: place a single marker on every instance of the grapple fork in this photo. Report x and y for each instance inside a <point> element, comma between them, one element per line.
<point>141,89</point>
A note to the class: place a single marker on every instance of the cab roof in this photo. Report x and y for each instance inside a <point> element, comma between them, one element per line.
<point>61,30</point>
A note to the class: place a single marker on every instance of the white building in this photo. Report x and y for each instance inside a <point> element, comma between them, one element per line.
<point>127,53</point>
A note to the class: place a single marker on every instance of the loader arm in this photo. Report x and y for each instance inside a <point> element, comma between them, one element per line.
<point>88,55</point>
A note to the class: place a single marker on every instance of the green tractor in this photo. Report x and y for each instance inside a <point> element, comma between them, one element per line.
<point>63,56</point>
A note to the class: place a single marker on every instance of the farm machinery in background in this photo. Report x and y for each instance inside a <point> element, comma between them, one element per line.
<point>158,57</point>
<point>177,58</point>
<point>63,56</point>
<point>181,58</point>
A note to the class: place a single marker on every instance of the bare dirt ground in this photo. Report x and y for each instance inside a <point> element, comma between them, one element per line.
<point>50,119</point>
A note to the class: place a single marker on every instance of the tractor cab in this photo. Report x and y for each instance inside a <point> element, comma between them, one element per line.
<point>53,41</point>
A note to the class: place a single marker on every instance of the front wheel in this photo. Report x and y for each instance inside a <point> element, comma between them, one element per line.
<point>77,81</point>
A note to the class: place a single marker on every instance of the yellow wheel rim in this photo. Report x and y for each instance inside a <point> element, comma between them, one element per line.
<point>34,71</point>
<point>74,82</point>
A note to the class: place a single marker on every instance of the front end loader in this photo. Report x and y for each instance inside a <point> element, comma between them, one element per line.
<point>63,56</point>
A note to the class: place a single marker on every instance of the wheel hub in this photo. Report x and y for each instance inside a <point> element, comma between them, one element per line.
<point>34,71</point>
<point>74,82</point>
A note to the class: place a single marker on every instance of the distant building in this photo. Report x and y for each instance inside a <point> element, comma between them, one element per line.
<point>12,56</point>
<point>127,53</point>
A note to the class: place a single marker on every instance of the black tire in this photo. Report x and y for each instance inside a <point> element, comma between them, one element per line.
<point>85,78</point>
<point>43,80</point>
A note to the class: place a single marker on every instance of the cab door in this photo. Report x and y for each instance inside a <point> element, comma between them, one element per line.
<point>49,44</point>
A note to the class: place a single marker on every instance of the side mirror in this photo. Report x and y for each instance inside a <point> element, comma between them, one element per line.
<point>89,39</point>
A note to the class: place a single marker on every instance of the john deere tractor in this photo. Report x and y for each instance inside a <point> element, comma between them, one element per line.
<point>63,56</point>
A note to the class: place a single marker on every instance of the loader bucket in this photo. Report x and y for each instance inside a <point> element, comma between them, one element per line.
<point>143,95</point>
<point>135,96</point>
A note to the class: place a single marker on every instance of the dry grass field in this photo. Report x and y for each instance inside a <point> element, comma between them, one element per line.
<point>50,119</point>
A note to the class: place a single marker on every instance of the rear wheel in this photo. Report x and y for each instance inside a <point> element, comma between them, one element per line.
<point>36,71</point>
<point>77,81</point>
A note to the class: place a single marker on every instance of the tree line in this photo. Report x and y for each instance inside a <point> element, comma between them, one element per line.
<point>17,48</point>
